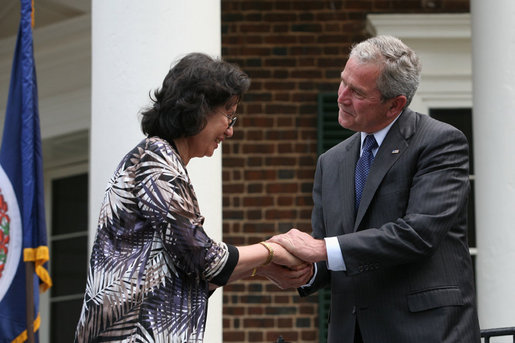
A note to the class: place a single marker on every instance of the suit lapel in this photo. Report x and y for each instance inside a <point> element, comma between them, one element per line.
<point>392,148</point>
<point>347,166</point>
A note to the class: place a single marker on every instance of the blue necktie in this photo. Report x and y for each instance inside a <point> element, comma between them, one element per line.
<point>363,166</point>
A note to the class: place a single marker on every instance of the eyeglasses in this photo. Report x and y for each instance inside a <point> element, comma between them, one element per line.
<point>232,118</point>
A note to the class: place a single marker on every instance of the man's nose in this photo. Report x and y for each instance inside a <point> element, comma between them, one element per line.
<point>343,94</point>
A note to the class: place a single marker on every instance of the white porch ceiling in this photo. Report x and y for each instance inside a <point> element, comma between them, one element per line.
<point>46,12</point>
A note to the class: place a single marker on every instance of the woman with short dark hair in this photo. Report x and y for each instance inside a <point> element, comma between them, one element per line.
<point>153,266</point>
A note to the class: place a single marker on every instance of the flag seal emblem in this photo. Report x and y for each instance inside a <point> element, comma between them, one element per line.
<point>11,243</point>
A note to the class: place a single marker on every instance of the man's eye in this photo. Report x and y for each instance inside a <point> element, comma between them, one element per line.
<point>357,93</point>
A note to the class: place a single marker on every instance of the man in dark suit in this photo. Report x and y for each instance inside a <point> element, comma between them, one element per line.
<point>395,258</point>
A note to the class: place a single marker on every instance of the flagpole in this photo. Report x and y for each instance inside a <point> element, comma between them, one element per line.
<point>29,296</point>
<point>30,265</point>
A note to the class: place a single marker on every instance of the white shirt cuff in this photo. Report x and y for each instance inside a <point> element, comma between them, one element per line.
<point>334,254</point>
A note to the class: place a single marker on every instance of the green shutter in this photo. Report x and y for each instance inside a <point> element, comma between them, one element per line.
<point>324,302</point>
<point>330,133</point>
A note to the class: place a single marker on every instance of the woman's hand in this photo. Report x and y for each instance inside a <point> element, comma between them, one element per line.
<point>283,256</point>
<point>286,270</point>
<point>284,277</point>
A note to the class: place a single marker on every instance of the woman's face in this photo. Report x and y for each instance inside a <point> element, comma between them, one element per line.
<point>215,132</point>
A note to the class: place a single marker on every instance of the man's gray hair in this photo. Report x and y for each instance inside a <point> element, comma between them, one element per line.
<point>400,65</point>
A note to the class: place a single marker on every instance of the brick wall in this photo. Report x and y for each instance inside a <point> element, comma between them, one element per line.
<point>292,50</point>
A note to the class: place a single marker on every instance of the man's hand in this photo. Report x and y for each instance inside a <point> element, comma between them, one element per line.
<point>283,257</point>
<point>284,277</point>
<point>302,245</point>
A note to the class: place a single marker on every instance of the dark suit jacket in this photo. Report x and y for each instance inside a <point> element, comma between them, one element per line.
<point>409,274</point>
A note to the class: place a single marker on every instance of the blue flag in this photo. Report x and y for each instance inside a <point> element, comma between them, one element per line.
<point>22,213</point>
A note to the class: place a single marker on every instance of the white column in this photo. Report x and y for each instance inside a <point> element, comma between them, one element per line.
<point>134,43</point>
<point>493,56</point>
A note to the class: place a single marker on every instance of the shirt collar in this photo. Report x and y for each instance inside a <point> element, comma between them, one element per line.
<point>379,135</point>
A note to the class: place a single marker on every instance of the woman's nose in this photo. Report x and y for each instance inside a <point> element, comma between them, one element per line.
<point>229,132</point>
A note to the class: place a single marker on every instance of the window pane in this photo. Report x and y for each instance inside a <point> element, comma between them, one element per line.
<point>64,319</point>
<point>460,118</point>
<point>68,266</point>
<point>70,204</point>
<point>69,251</point>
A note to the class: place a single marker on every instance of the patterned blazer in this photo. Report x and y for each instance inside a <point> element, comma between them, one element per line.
<point>152,262</point>
<point>409,274</point>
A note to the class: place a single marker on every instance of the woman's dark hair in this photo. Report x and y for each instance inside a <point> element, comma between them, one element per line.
<point>191,90</point>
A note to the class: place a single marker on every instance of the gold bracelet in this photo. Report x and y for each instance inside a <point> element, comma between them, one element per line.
<point>268,259</point>
<point>270,253</point>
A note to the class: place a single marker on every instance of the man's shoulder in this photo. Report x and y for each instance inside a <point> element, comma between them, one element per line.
<point>424,124</point>
<point>344,145</point>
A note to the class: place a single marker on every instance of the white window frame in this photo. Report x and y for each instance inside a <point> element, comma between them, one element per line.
<point>51,174</point>
<point>443,44</point>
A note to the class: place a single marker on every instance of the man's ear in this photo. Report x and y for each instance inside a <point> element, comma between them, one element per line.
<point>397,105</point>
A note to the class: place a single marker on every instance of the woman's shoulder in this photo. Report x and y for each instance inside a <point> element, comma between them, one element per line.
<point>156,150</point>
<point>155,146</point>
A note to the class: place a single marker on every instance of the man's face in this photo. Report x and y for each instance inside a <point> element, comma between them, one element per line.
<point>359,101</point>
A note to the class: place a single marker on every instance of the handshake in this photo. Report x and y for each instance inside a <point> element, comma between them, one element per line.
<point>294,253</point>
